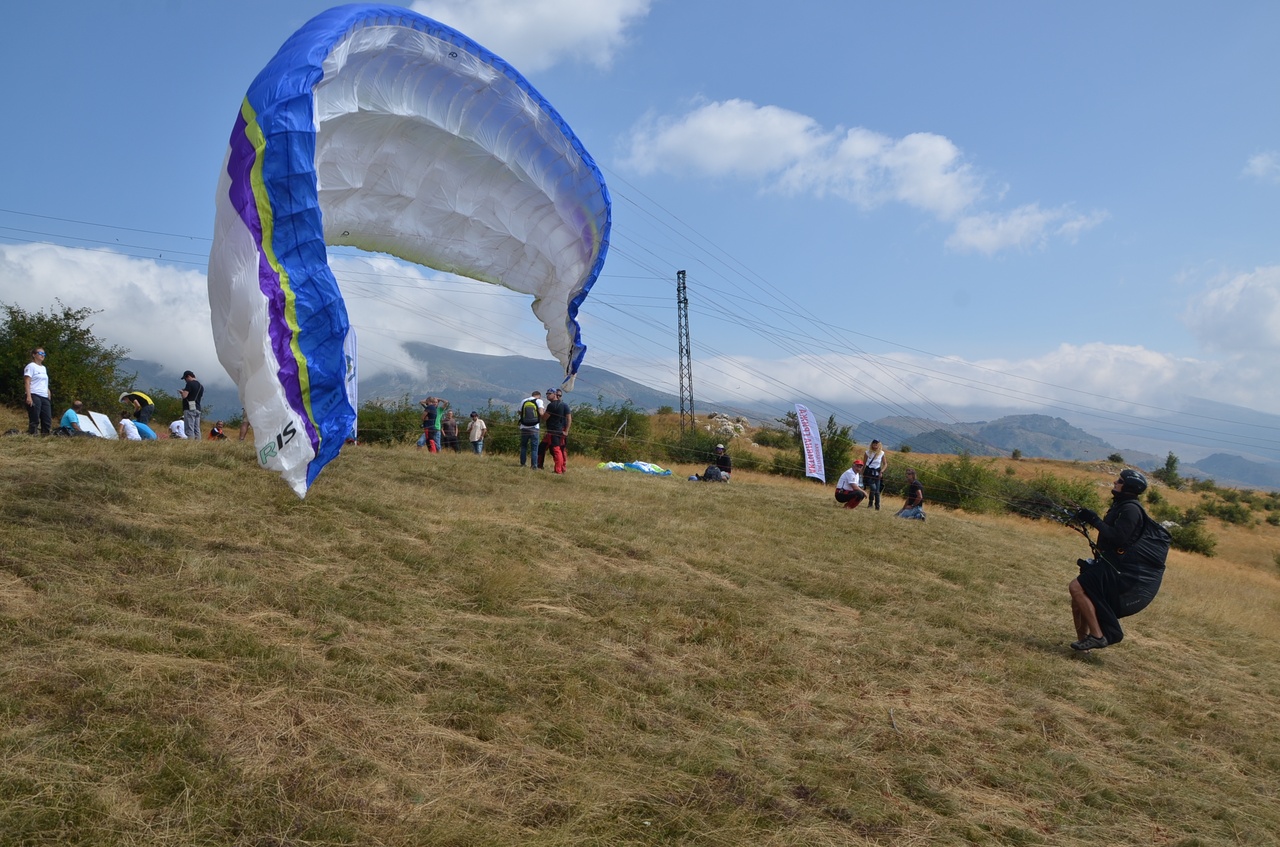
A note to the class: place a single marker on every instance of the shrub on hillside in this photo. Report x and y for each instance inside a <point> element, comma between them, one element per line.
<point>1193,537</point>
<point>80,365</point>
<point>611,433</point>
<point>963,483</point>
<point>388,422</point>
<point>778,439</point>
<point>1047,495</point>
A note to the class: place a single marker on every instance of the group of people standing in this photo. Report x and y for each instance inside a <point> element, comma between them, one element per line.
<point>135,422</point>
<point>440,428</point>
<point>544,428</point>
<point>865,479</point>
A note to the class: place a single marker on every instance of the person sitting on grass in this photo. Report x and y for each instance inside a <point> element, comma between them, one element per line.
<point>913,505</point>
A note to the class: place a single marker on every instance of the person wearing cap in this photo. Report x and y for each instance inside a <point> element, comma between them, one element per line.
<point>545,444</point>
<point>849,491</point>
<point>475,433</point>
<point>1125,574</point>
<point>143,406</point>
<point>558,419</point>
<point>719,469</point>
<point>35,378</point>
<point>192,396</point>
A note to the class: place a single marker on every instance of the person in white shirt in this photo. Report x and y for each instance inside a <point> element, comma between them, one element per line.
<point>849,490</point>
<point>129,430</point>
<point>177,429</point>
<point>873,474</point>
<point>39,402</point>
<point>475,433</point>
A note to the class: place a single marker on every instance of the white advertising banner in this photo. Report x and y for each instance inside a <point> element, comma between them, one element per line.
<point>812,440</point>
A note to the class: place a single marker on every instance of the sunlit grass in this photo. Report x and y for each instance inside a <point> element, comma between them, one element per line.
<point>449,650</point>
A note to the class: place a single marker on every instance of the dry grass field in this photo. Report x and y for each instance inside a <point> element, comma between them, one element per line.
<point>450,650</point>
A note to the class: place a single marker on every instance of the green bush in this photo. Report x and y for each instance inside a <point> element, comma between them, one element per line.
<point>1046,495</point>
<point>777,439</point>
<point>388,421</point>
<point>1194,538</point>
<point>613,433</point>
<point>1117,458</point>
<point>963,483</point>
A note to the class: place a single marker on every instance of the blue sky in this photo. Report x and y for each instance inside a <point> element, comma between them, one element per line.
<point>939,206</point>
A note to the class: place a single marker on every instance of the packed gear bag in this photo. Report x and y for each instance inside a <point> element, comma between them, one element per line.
<point>529,413</point>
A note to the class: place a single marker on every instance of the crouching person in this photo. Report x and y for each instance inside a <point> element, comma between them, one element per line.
<point>849,491</point>
<point>1125,574</point>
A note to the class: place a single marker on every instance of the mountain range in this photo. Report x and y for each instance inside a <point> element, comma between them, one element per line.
<point>475,381</point>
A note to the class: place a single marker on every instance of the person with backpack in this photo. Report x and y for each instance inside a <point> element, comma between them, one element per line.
<point>528,417</point>
<point>1128,564</point>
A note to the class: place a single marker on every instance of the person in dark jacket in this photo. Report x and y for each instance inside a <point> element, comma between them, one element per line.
<point>1125,574</point>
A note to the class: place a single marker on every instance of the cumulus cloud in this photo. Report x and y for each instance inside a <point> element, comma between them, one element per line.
<point>1264,166</point>
<point>790,152</point>
<point>1024,227</point>
<point>1239,315</point>
<point>1107,378</point>
<point>160,313</point>
<point>535,34</point>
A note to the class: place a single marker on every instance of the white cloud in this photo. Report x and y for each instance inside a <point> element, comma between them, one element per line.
<point>1024,227</point>
<point>790,152</point>
<point>1264,166</point>
<point>161,313</point>
<point>535,34</point>
<point>158,312</point>
<point>1105,379</point>
<point>1239,315</point>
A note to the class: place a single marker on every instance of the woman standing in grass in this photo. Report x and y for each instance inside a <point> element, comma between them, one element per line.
<point>874,463</point>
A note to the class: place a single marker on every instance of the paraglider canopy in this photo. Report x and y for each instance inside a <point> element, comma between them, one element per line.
<point>378,128</point>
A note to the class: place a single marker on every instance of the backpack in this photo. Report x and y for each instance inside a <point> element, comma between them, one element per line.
<point>1151,547</point>
<point>529,415</point>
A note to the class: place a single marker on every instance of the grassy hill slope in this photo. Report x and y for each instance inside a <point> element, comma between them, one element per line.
<point>445,649</point>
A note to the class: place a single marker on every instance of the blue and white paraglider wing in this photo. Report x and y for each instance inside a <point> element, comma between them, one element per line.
<point>378,128</point>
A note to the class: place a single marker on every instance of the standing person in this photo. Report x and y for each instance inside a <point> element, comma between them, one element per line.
<point>1125,574</point>
<point>545,444</point>
<point>475,433</point>
<point>35,378</point>
<point>178,429</point>
<point>441,405</point>
<point>244,425</point>
<point>874,464</point>
<point>450,429</point>
<point>558,419</point>
<point>913,505</point>
<point>849,489</point>
<point>428,439</point>
<point>531,409</point>
<point>143,406</point>
<point>192,397</point>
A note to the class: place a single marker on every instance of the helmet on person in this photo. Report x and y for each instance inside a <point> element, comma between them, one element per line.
<point>1133,482</point>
